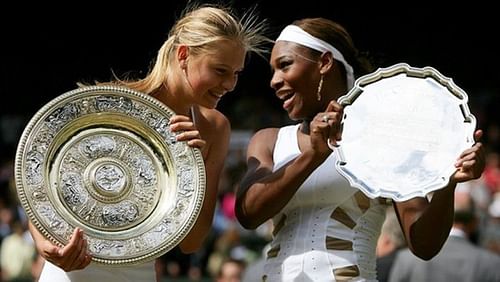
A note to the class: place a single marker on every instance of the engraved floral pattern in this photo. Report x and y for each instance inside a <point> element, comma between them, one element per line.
<point>73,172</point>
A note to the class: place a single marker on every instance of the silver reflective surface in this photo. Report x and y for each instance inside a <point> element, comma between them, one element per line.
<point>104,159</point>
<point>403,129</point>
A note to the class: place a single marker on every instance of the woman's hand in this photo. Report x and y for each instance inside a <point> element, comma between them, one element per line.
<point>73,256</point>
<point>470,164</point>
<point>326,128</point>
<point>187,131</point>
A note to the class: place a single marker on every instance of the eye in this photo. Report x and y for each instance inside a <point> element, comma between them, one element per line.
<point>220,71</point>
<point>283,64</point>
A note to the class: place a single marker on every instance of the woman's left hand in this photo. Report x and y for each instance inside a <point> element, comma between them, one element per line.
<point>187,131</point>
<point>470,165</point>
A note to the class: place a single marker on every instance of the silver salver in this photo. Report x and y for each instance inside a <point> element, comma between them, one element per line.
<point>103,158</point>
<point>403,130</point>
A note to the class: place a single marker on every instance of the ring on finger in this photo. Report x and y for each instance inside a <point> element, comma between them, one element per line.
<point>325,118</point>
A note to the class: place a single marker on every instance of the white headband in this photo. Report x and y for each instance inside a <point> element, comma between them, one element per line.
<point>297,35</point>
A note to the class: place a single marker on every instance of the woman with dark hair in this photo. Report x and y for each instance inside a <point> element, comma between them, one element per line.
<point>326,230</point>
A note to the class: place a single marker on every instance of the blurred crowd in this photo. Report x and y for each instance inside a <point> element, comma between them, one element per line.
<point>233,253</point>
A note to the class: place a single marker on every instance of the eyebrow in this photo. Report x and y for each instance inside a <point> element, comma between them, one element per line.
<point>278,59</point>
<point>226,66</point>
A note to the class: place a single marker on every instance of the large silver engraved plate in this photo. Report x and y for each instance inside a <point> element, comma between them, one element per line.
<point>403,129</point>
<point>103,158</point>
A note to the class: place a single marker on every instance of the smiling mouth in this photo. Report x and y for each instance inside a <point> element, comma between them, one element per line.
<point>287,100</point>
<point>217,95</point>
<point>288,96</point>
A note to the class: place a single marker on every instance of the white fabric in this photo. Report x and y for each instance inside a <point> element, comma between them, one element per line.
<point>458,233</point>
<point>303,255</point>
<point>297,35</point>
<point>96,273</point>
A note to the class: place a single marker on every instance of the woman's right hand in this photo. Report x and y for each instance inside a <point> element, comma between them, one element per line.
<point>187,131</point>
<point>326,128</point>
<point>73,256</point>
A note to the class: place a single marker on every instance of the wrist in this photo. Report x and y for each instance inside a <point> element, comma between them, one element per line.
<point>316,158</point>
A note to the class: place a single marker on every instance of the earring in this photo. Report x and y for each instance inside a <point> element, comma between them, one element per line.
<point>320,86</point>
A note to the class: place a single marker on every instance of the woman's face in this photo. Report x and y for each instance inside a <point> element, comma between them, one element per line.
<point>295,79</point>
<point>212,75</point>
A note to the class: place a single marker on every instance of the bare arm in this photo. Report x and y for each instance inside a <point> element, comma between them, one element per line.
<point>214,161</point>
<point>426,225</point>
<point>262,192</point>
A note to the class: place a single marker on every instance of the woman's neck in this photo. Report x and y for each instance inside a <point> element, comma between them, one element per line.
<point>304,126</point>
<point>175,102</point>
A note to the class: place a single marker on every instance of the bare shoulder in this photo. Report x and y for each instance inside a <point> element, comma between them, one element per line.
<point>262,142</point>
<point>214,119</point>
<point>265,134</point>
<point>214,128</point>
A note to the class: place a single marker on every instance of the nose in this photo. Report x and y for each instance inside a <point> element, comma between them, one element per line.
<point>276,81</point>
<point>230,83</point>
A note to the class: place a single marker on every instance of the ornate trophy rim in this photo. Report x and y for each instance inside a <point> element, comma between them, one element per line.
<point>103,158</point>
<point>403,128</point>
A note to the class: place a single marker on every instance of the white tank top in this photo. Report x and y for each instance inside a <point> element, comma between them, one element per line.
<point>328,231</point>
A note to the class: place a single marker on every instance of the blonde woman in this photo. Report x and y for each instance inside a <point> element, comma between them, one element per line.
<point>197,65</point>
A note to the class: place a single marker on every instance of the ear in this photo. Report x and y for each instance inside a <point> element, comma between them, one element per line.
<point>182,55</point>
<point>326,62</point>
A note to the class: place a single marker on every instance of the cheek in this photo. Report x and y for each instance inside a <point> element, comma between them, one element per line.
<point>300,75</point>
<point>202,81</point>
<point>300,81</point>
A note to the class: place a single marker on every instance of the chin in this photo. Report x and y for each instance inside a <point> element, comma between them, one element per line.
<point>214,105</point>
<point>294,116</point>
<point>209,105</point>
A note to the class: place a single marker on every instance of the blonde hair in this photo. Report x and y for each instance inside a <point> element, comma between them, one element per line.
<point>201,28</point>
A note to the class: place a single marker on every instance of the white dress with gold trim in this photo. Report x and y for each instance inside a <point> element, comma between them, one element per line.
<point>328,231</point>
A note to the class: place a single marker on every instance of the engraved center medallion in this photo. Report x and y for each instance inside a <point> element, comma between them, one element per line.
<point>109,178</point>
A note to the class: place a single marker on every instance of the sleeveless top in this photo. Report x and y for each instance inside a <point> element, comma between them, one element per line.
<point>328,231</point>
<point>95,272</point>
